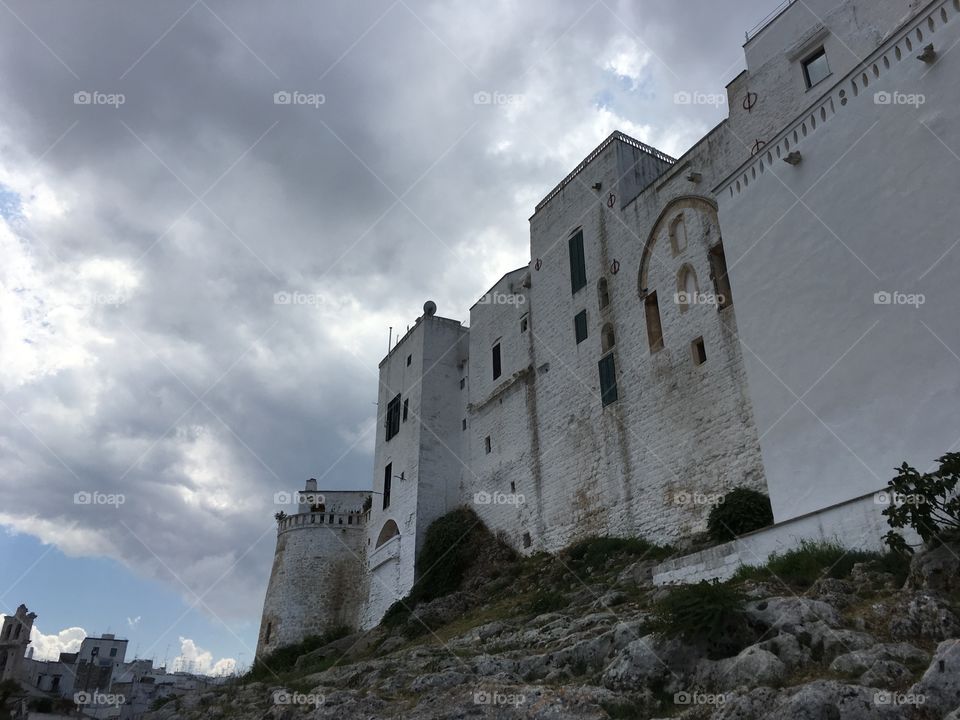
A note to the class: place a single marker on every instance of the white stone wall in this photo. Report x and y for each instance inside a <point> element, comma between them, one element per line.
<point>427,451</point>
<point>856,525</point>
<point>317,581</point>
<point>845,389</point>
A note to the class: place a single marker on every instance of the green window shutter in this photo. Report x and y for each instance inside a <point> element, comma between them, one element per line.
<point>580,326</point>
<point>608,380</point>
<point>578,268</point>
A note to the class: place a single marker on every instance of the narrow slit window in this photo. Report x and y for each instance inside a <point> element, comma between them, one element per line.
<point>486,444</point>
<point>603,294</point>
<point>654,329</point>
<point>406,408</point>
<point>387,481</point>
<point>718,273</point>
<point>699,351</point>
<point>496,361</point>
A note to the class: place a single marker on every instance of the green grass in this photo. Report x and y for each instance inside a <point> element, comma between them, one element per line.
<point>594,552</point>
<point>710,615</point>
<point>545,601</point>
<point>803,566</point>
<point>284,659</point>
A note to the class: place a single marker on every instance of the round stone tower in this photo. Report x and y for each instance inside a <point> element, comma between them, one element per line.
<point>318,581</point>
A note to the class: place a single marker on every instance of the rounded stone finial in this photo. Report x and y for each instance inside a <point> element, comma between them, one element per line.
<point>429,308</point>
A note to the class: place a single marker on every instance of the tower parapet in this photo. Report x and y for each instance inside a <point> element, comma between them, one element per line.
<point>317,582</point>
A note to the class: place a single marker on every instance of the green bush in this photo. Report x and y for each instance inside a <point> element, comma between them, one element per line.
<point>447,553</point>
<point>741,511</point>
<point>802,567</point>
<point>708,615</point>
<point>285,658</point>
<point>545,601</point>
<point>594,552</point>
<point>926,502</point>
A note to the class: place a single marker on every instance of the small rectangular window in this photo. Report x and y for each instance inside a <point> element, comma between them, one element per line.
<point>815,68</point>
<point>486,444</point>
<point>393,417</point>
<point>387,480</point>
<point>409,360</point>
<point>406,408</point>
<point>578,267</point>
<point>608,380</point>
<point>463,424</point>
<point>699,351</point>
<point>527,541</point>
<point>496,361</point>
<point>654,330</point>
<point>718,273</point>
<point>524,323</point>
<point>463,383</point>
<point>580,326</point>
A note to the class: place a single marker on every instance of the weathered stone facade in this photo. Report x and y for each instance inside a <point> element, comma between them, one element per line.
<point>628,286</point>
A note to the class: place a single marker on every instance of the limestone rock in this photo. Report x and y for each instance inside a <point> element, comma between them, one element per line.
<point>936,569</point>
<point>779,612</point>
<point>925,615</point>
<point>860,661</point>
<point>649,661</point>
<point>753,666</point>
<point>940,684</point>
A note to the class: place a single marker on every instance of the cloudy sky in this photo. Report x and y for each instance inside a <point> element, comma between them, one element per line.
<point>155,197</point>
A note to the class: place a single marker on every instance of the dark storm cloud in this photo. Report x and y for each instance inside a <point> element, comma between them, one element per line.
<point>197,199</point>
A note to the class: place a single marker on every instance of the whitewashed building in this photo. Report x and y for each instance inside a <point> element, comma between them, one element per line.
<point>775,309</point>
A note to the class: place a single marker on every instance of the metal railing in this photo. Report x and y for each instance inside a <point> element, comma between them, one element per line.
<point>771,16</point>
<point>615,135</point>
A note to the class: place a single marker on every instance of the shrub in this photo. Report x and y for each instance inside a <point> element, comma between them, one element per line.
<point>446,554</point>
<point>285,658</point>
<point>708,615</point>
<point>741,511</point>
<point>545,601</point>
<point>803,566</point>
<point>926,502</point>
<point>594,552</point>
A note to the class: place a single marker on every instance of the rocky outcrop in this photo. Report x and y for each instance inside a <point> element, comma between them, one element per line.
<point>861,647</point>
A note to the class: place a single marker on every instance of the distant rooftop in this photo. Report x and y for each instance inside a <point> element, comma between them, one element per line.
<point>615,135</point>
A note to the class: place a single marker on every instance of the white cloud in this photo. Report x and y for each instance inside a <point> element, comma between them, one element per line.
<point>197,660</point>
<point>49,647</point>
<point>625,59</point>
